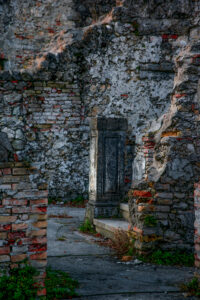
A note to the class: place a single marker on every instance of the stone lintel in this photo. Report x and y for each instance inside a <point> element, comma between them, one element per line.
<point>108,124</point>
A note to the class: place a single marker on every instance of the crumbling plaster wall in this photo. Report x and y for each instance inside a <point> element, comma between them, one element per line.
<point>129,68</point>
<point>130,76</point>
<point>167,191</point>
<point>26,27</point>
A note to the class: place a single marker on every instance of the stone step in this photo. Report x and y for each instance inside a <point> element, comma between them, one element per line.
<point>124,209</point>
<point>107,227</point>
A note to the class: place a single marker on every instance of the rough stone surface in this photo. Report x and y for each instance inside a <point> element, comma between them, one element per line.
<point>172,155</point>
<point>5,147</point>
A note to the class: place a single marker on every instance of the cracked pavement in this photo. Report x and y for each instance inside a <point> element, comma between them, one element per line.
<point>100,274</point>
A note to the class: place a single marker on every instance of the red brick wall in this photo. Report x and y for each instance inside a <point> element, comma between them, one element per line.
<point>23,218</point>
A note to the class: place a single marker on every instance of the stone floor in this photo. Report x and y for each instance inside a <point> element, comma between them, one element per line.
<point>100,274</point>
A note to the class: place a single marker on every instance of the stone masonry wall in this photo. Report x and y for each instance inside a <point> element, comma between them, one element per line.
<point>167,192</point>
<point>23,219</point>
<point>11,113</point>
<point>56,141</point>
<point>42,118</point>
<point>27,27</point>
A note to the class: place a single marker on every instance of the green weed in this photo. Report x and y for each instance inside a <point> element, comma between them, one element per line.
<point>59,285</point>
<point>87,227</point>
<point>53,200</point>
<point>150,221</point>
<point>192,288</point>
<point>131,250</point>
<point>61,238</point>
<point>78,200</point>
<point>100,217</point>
<point>19,285</point>
<point>177,257</point>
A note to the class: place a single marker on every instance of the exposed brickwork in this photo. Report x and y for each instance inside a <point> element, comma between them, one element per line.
<point>22,218</point>
<point>43,121</point>
<point>53,125</point>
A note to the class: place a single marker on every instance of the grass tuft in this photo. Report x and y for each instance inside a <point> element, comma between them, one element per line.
<point>150,220</point>
<point>20,285</point>
<point>60,285</point>
<point>87,227</point>
<point>192,288</point>
<point>177,257</point>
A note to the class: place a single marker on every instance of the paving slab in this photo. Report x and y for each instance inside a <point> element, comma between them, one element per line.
<point>64,237</point>
<point>100,274</point>
<point>105,275</point>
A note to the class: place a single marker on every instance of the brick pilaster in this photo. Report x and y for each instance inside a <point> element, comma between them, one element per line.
<point>23,219</point>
